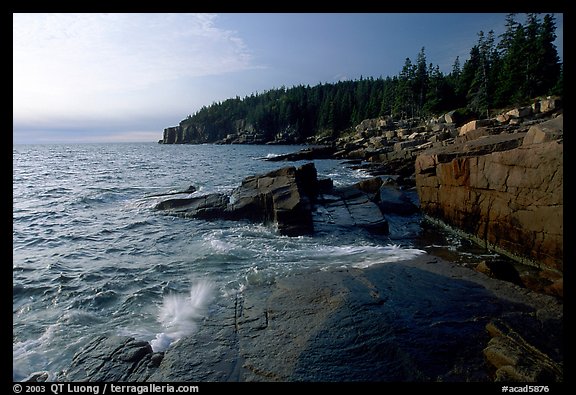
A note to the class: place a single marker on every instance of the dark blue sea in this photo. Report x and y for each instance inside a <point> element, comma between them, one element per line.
<point>92,256</point>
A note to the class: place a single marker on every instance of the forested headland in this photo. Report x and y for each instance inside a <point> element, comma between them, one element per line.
<point>509,70</point>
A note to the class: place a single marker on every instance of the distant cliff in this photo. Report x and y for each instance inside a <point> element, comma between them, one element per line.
<point>190,131</point>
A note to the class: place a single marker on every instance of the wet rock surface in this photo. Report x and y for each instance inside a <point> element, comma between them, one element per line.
<point>422,319</point>
<point>296,202</point>
<point>114,358</point>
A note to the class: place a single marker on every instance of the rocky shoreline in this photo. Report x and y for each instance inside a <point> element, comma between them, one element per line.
<point>418,320</point>
<point>296,202</point>
<point>497,182</point>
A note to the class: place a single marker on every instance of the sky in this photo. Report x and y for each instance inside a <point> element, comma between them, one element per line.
<point>125,77</point>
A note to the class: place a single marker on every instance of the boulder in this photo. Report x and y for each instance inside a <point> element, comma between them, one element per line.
<point>520,112</point>
<point>515,358</point>
<point>503,118</point>
<point>322,152</point>
<point>378,142</point>
<point>401,145</point>
<point>353,206</point>
<point>37,377</point>
<point>287,198</point>
<point>500,269</point>
<point>472,135</point>
<point>359,153</point>
<point>546,131</point>
<point>449,117</point>
<point>209,206</point>
<point>390,134</point>
<point>370,185</point>
<point>472,125</point>
<point>395,201</point>
<point>283,197</point>
<point>550,104</point>
<point>113,358</point>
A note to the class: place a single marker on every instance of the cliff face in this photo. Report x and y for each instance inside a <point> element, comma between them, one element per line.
<point>172,135</point>
<point>505,190</point>
<point>188,132</point>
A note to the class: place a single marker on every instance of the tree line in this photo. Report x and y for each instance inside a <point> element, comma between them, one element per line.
<point>521,65</point>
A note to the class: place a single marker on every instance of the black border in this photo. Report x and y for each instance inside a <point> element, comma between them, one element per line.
<point>377,7</point>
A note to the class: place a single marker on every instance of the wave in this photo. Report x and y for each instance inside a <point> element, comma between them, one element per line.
<point>100,198</point>
<point>269,155</point>
<point>30,352</point>
<point>391,253</point>
<point>362,257</point>
<point>179,314</point>
<point>260,244</point>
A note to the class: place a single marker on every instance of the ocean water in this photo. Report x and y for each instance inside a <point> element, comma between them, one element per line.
<point>92,256</point>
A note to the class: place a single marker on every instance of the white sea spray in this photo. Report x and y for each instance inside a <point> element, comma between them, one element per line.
<point>181,313</point>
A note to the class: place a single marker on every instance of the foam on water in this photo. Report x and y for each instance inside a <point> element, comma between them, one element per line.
<point>221,246</point>
<point>179,314</point>
<point>31,351</point>
<point>362,256</point>
<point>92,256</point>
<point>391,253</point>
<point>271,155</point>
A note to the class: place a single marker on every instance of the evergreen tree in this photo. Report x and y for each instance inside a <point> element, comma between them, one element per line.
<point>470,83</point>
<point>420,85</point>
<point>388,93</point>
<point>521,66</point>
<point>404,104</point>
<point>548,62</point>
<point>531,61</point>
<point>456,85</point>
<point>482,88</point>
<point>440,95</point>
<point>558,88</point>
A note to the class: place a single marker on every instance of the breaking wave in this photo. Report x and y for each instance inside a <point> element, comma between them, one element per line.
<point>179,314</point>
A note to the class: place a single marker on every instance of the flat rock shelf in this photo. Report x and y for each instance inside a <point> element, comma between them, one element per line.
<point>422,319</point>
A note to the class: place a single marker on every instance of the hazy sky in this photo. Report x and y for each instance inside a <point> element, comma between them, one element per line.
<point>125,77</point>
